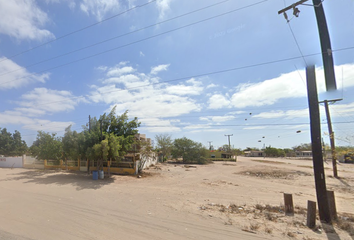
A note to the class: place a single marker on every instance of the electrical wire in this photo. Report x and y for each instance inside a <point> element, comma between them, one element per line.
<point>141,40</point>
<point>78,30</point>
<point>113,38</point>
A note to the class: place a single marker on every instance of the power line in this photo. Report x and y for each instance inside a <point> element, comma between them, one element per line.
<point>194,76</point>
<point>141,40</point>
<point>79,30</point>
<point>110,39</point>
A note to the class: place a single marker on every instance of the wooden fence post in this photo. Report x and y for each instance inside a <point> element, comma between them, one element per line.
<point>288,204</point>
<point>311,214</point>
<point>332,205</point>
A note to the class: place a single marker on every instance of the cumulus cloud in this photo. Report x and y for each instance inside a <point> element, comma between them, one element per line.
<point>17,118</point>
<point>269,92</point>
<point>163,6</point>
<point>159,68</point>
<point>99,8</point>
<point>218,119</point>
<point>146,98</point>
<point>14,76</point>
<point>23,19</point>
<point>218,101</point>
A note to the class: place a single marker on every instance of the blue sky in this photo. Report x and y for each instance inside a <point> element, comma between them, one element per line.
<point>199,69</point>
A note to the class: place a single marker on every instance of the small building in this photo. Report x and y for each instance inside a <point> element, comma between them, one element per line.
<point>303,154</point>
<point>254,153</point>
<point>219,154</point>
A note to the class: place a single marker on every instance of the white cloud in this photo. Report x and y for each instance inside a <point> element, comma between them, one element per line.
<point>99,8</point>
<point>14,76</point>
<point>159,68</point>
<point>151,103</point>
<point>181,89</point>
<point>212,85</point>
<point>23,19</point>
<point>118,71</point>
<point>285,86</point>
<point>42,101</point>
<point>17,118</point>
<point>158,125</point>
<point>290,114</point>
<point>218,101</point>
<point>218,119</point>
<point>163,6</point>
<point>289,85</point>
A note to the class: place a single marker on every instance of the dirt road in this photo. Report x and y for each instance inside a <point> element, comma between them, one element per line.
<point>169,202</point>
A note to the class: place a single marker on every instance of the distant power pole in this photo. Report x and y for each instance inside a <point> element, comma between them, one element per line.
<point>326,48</point>
<point>315,125</point>
<point>89,123</point>
<point>331,135</point>
<point>228,136</point>
<point>209,144</point>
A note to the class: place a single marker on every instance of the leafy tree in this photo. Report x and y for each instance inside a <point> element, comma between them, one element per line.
<point>274,152</point>
<point>164,144</point>
<point>11,144</point>
<point>120,126</point>
<point>71,145</point>
<point>303,147</point>
<point>47,146</point>
<point>188,150</point>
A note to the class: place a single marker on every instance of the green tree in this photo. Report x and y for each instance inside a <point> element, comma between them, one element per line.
<point>11,144</point>
<point>303,147</point>
<point>189,151</point>
<point>164,144</point>
<point>274,152</point>
<point>47,146</point>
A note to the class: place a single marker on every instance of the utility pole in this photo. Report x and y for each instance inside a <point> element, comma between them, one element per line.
<point>229,140</point>
<point>209,144</point>
<point>331,135</point>
<point>89,123</point>
<point>315,125</point>
<point>326,48</point>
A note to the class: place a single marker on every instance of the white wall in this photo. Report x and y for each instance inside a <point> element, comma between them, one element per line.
<point>11,162</point>
<point>151,160</point>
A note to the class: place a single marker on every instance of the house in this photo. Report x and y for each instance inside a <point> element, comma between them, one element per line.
<point>254,154</point>
<point>219,154</point>
<point>303,154</point>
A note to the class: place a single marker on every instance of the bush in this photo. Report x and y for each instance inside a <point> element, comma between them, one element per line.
<point>189,151</point>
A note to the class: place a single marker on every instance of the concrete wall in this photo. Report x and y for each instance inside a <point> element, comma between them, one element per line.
<point>11,162</point>
<point>152,160</point>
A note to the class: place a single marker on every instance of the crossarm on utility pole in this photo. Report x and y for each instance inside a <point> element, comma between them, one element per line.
<point>291,6</point>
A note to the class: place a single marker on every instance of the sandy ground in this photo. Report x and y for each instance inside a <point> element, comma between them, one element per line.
<point>230,200</point>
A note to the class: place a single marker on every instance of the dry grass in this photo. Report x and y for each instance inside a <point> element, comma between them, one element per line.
<point>275,174</point>
<point>265,161</point>
<point>255,226</point>
<point>291,234</point>
<point>268,230</point>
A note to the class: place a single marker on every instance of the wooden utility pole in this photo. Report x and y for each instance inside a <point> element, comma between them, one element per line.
<point>229,140</point>
<point>331,135</point>
<point>315,125</point>
<point>89,123</point>
<point>88,162</point>
<point>326,48</point>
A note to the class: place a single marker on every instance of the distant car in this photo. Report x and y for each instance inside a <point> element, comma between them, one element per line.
<point>349,158</point>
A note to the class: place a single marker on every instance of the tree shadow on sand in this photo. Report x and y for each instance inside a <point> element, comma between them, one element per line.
<point>79,180</point>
